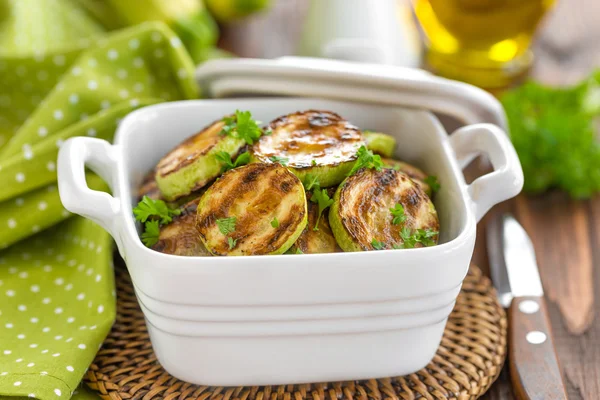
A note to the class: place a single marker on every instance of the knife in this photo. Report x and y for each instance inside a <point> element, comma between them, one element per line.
<point>534,368</point>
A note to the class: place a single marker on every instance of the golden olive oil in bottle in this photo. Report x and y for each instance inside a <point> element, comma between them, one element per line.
<point>483,42</point>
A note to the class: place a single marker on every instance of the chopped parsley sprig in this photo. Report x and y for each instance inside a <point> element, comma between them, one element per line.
<point>281,160</point>
<point>153,213</point>
<point>410,238</point>
<point>151,233</point>
<point>242,126</point>
<point>398,214</point>
<point>366,159</point>
<point>319,196</point>
<point>148,209</point>
<point>433,183</point>
<point>225,159</point>
<point>226,225</point>
<point>377,245</point>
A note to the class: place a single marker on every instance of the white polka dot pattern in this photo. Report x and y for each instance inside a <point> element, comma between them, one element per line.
<point>56,292</point>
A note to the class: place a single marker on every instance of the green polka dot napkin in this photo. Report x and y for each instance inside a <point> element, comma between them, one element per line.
<point>57,300</point>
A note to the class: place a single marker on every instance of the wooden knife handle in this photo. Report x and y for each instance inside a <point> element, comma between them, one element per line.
<point>534,368</point>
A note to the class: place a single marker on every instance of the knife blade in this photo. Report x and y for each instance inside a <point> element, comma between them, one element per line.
<point>534,368</point>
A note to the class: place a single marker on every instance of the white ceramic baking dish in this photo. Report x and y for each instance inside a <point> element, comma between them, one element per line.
<point>294,318</point>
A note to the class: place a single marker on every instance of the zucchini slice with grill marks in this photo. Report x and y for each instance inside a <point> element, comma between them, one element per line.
<point>415,173</point>
<point>380,143</point>
<point>311,142</point>
<point>360,216</point>
<point>313,241</point>
<point>180,237</point>
<point>149,188</point>
<point>236,214</point>
<point>193,163</point>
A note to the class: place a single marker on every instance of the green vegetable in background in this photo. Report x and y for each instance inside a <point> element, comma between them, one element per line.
<point>554,133</point>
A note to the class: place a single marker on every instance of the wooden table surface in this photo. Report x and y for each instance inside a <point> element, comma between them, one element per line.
<point>566,233</point>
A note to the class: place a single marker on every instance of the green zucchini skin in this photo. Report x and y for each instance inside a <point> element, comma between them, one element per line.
<point>360,212</point>
<point>313,241</point>
<point>380,143</point>
<point>193,164</point>
<point>415,173</point>
<point>180,237</point>
<point>254,195</point>
<point>314,142</point>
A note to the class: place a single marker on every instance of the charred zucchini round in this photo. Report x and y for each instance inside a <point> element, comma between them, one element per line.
<point>252,210</point>
<point>193,163</point>
<point>380,143</point>
<point>376,210</point>
<point>415,173</point>
<point>311,142</point>
<point>180,237</point>
<point>319,240</point>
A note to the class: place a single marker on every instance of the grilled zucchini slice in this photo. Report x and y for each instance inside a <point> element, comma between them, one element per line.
<point>415,173</point>
<point>236,214</point>
<point>360,216</point>
<point>193,163</point>
<point>313,241</point>
<point>311,142</point>
<point>380,143</point>
<point>180,237</point>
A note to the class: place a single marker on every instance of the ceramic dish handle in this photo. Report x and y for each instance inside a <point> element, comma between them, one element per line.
<point>75,155</point>
<point>505,181</point>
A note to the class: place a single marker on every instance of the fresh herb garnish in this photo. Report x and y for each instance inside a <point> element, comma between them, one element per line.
<point>366,159</point>
<point>411,238</point>
<point>433,183</point>
<point>280,160</point>
<point>298,251</point>
<point>242,126</point>
<point>311,182</point>
<point>151,233</point>
<point>398,214</point>
<point>226,225</point>
<point>275,223</point>
<point>232,242</point>
<point>148,208</point>
<point>555,135</point>
<point>225,158</point>
<point>377,245</point>
<point>321,197</point>
<point>313,163</point>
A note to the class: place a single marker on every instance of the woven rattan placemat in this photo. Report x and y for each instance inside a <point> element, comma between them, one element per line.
<point>468,361</point>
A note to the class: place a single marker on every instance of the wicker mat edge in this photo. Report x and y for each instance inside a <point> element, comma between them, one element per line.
<point>468,361</point>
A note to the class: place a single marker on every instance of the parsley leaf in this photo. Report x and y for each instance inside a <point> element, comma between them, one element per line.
<point>275,223</point>
<point>377,245</point>
<point>398,214</point>
<point>433,183</point>
<point>225,158</point>
<point>311,182</point>
<point>232,242</point>
<point>151,233</point>
<point>313,162</point>
<point>226,225</point>
<point>321,197</point>
<point>366,159</point>
<point>280,160</point>
<point>242,126</point>
<point>148,208</point>
<point>553,132</point>
<point>247,128</point>
<point>411,238</point>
